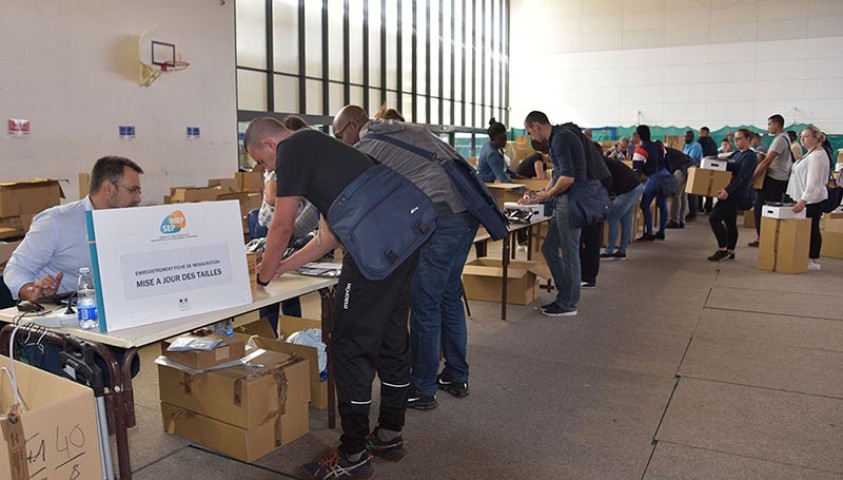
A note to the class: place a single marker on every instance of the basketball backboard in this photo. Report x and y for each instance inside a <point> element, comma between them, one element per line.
<point>158,51</point>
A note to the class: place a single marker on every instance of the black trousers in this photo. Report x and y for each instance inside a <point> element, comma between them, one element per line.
<point>723,222</point>
<point>772,191</point>
<point>814,211</point>
<point>370,336</point>
<point>590,240</point>
<point>693,205</point>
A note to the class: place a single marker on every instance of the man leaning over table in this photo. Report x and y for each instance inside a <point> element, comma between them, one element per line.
<point>48,259</point>
<point>370,325</point>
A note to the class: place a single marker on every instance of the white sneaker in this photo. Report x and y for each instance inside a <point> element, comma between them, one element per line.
<point>814,266</point>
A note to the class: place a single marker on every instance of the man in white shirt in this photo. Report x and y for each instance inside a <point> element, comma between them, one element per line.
<point>56,246</point>
<point>774,168</point>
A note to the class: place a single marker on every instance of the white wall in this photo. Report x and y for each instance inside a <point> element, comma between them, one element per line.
<point>70,67</point>
<point>678,62</point>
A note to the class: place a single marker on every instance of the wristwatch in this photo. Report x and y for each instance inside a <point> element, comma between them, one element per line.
<point>258,280</point>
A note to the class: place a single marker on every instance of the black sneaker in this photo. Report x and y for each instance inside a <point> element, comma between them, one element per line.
<point>731,256</point>
<point>556,311</point>
<point>457,389</point>
<point>660,236</point>
<point>753,243</point>
<point>545,307</point>
<point>416,400</point>
<point>392,450</point>
<point>620,256</point>
<point>589,285</point>
<point>682,225</point>
<point>647,237</point>
<point>339,466</point>
<point>672,224</point>
<point>607,255</point>
<point>719,255</point>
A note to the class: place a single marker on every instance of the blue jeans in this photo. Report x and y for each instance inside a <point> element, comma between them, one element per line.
<point>650,192</point>
<point>437,315</point>
<point>565,269</point>
<point>621,216</point>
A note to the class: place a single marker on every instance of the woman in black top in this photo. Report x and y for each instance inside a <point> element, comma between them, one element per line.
<point>534,166</point>
<point>723,218</point>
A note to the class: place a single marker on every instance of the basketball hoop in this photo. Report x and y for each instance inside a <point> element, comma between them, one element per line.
<point>174,66</point>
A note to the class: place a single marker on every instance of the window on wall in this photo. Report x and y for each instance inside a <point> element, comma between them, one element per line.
<point>440,62</point>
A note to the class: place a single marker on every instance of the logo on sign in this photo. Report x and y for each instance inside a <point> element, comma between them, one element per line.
<point>173,223</point>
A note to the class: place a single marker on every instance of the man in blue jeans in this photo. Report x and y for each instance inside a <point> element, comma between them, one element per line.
<point>437,314</point>
<point>569,166</point>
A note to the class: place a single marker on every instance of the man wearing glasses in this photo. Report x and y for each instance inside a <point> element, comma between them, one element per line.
<point>56,246</point>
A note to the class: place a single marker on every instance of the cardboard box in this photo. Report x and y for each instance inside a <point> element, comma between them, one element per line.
<point>290,325</point>
<point>33,197</point>
<point>227,185</point>
<point>249,181</point>
<point>781,213</point>
<point>243,396</point>
<point>60,427</point>
<point>6,250</point>
<point>713,164</point>
<point>193,194</point>
<point>505,192</point>
<point>532,184</point>
<point>784,245</point>
<point>749,219</point>
<point>84,184</point>
<point>482,280</point>
<point>706,182</point>
<point>247,445</point>
<point>248,200</point>
<point>230,349</point>
<point>832,244</point>
<point>832,222</point>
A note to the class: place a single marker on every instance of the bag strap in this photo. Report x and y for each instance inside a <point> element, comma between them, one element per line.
<point>404,145</point>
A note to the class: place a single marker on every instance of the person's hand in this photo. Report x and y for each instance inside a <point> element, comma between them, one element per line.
<point>44,287</point>
<point>722,194</point>
<point>533,198</point>
<point>800,205</point>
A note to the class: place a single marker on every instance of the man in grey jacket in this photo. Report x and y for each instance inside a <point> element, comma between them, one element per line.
<point>437,315</point>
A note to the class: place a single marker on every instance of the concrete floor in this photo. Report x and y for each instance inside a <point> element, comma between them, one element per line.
<point>675,368</point>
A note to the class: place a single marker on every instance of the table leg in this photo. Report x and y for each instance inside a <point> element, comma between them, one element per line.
<point>327,295</point>
<point>530,242</point>
<point>505,264</point>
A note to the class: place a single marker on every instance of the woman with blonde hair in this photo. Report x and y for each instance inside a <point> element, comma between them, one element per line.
<point>806,187</point>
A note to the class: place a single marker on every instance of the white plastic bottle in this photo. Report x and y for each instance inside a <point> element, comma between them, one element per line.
<point>86,300</point>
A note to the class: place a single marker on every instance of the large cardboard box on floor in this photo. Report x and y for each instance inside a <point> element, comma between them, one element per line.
<point>706,182</point>
<point>832,222</point>
<point>749,219</point>
<point>832,244</point>
<point>60,428</point>
<point>32,196</point>
<point>483,280</point>
<point>243,396</point>
<point>784,245</point>
<point>248,200</point>
<point>247,445</point>
<point>245,411</point>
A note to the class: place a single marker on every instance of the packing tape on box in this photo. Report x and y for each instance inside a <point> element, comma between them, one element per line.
<point>16,441</point>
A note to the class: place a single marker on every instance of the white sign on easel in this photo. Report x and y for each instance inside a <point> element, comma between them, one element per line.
<point>153,264</point>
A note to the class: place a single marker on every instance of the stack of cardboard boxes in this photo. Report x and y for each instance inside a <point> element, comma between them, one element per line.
<point>785,239</point>
<point>245,187</point>
<point>244,411</point>
<point>21,201</point>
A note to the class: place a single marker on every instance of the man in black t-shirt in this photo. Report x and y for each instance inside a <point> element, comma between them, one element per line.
<point>370,325</point>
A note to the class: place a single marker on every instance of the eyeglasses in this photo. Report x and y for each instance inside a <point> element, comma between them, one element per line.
<point>136,191</point>
<point>338,135</point>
